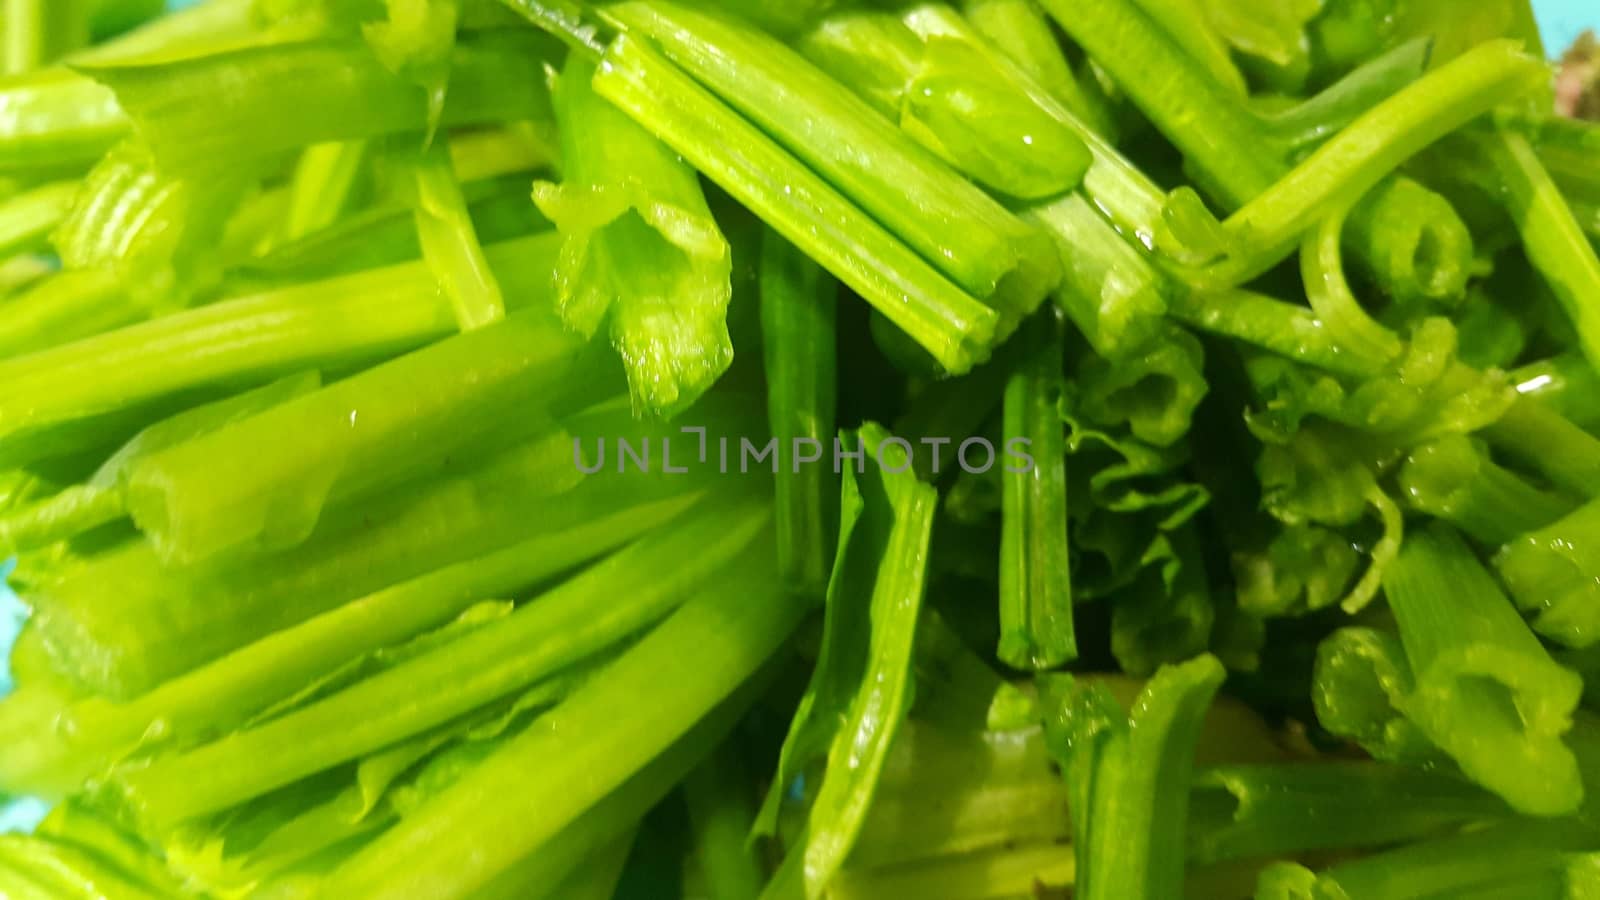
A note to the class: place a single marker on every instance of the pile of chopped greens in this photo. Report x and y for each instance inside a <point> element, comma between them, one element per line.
<point>1119,449</point>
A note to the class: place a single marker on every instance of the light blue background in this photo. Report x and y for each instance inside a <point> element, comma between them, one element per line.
<point>1561,21</point>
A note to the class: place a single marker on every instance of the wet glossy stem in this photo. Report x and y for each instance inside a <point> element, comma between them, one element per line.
<point>794,201</point>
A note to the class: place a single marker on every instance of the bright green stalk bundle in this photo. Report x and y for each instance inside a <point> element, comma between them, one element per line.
<point>641,253</point>
<point>225,693</point>
<point>263,483</point>
<point>489,663</point>
<point>967,235</point>
<point>124,622</point>
<point>528,791</point>
<point>332,323</point>
<point>953,326</point>
<point>63,307</point>
<point>103,498</point>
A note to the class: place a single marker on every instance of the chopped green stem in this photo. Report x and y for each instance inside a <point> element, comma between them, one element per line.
<point>1230,148</point>
<point>56,119</point>
<point>1454,479</point>
<point>619,811</point>
<point>1510,856</point>
<point>799,303</point>
<point>334,323</point>
<point>1541,439</point>
<point>124,622</point>
<point>1283,328</point>
<point>1486,691</point>
<point>1552,573</point>
<point>1336,306</point>
<point>947,96</point>
<point>1412,242</point>
<point>38,32</point>
<point>568,21</point>
<point>28,218</point>
<point>283,96</point>
<point>964,233</point>
<point>1567,384</point>
<point>321,189</point>
<point>1188,24</point>
<point>561,628</point>
<point>1323,115</point>
<point>1128,777</point>
<point>528,791</point>
<point>449,243</point>
<point>67,514</point>
<point>872,52</point>
<point>35,868</point>
<point>641,250</point>
<point>1019,29</point>
<point>1365,152</point>
<point>1360,680</point>
<point>1036,628</point>
<point>220,494</point>
<point>1111,292</point>
<point>387,235</point>
<point>1551,235</point>
<point>799,205</point>
<point>1122,192</point>
<point>223,694</point>
<point>60,309</point>
<point>1275,810</point>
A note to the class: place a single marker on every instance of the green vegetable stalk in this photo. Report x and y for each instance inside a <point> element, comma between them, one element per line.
<point>1260,811</point>
<point>1486,691</point>
<point>1036,626</point>
<point>264,482</point>
<point>953,326</point>
<point>1128,776</point>
<point>1454,479</point>
<point>1550,572</point>
<point>971,238</point>
<point>640,250</point>
<point>799,308</point>
<point>526,792</point>
<point>484,665</point>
